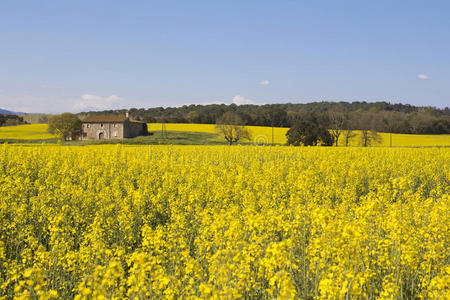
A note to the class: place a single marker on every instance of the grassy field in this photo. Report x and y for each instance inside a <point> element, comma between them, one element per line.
<point>204,134</point>
<point>220,222</point>
<point>170,138</point>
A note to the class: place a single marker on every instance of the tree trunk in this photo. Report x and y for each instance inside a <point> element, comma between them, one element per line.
<point>337,139</point>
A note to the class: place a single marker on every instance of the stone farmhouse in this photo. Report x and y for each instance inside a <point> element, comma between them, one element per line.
<point>98,127</point>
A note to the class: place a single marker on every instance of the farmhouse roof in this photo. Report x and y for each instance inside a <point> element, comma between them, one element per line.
<point>136,121</point>
<point>104,119</point>
<point>107,119</point>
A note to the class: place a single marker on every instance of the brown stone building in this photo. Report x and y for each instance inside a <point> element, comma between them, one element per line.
<point>98,127</point>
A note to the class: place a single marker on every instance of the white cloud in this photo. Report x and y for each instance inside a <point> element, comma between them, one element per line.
<point>95,102</point>
<point>239,100</point>
<point>423,76</point>
<point>264,82</point>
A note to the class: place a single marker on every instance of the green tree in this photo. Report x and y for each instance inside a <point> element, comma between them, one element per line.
<point>308,131</point>
<point>193,117</point>
<point>66,125</point>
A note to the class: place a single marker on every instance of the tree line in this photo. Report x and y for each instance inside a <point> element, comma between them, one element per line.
<point>379,116</point>
<point>307,129</point>
<point>10,120</point>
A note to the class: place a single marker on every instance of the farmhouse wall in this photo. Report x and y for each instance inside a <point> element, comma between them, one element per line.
<point>133,129</point>
<point>93,131</point>
<point>97,127</point>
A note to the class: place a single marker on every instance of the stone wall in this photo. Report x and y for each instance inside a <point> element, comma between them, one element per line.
<point>127,129</point>
<point>133,129</point>
<point>93,131</point>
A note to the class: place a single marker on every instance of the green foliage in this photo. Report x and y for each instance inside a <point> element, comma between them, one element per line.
<point>66,125</point>
<point>11,120</point>
<point>307,131</point>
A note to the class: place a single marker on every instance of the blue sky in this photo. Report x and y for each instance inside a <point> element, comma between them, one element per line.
<point>60,56</point>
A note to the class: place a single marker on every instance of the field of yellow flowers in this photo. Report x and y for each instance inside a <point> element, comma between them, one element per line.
<point>29,132</point>
<point>143,222</point>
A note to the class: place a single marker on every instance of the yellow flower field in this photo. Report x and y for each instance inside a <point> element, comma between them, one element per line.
<point>221,222</point>
<point>26,132</point>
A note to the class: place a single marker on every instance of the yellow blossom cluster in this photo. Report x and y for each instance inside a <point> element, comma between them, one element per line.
<point>220,222</point>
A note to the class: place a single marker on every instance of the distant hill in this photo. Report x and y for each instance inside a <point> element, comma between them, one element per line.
<point>9,112</point>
